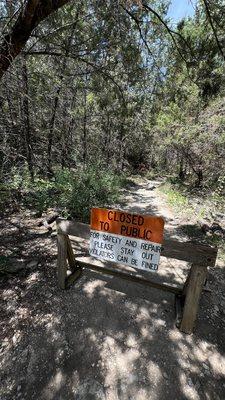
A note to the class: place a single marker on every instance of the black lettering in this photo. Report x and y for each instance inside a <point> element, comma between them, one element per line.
<point>134,220</point>
<point>123,229</point>
<point>95,234</point>
<point>122,217</point>
<point>122,259</point>
<point>128,220</point>
<point>106,226</point>
<point>110,212</point>
<point>135,232</point>
<point>140,220</point>
<point>115,217</point>
<point>147,234</point>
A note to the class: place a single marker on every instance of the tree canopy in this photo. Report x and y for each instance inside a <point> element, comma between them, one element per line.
<point>114,82</point>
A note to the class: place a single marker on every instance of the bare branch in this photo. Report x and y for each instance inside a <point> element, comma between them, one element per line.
<point>208,13</point>
<point>170,32</point>
<point>100,69</point>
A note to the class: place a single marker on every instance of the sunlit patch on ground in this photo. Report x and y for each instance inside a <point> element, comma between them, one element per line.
<point>105,339</point>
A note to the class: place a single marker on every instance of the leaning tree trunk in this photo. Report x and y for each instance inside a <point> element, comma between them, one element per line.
<point>30,16</point>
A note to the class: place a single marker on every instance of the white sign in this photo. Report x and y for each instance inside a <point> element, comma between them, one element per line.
<point>126,238</point>
<point>137,253</point>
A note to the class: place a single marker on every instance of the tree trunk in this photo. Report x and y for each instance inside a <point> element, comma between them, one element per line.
<point>51,129</point>
<point>108,149</point>
<point>56,102</point>
<point>199,177</point>
<point>31,14</point>
<point>85,125</point>
<point>121,149</point>
<point>26,120</point>
<point>85,134</point>
<point>181,169</point>
<point>69,138</point>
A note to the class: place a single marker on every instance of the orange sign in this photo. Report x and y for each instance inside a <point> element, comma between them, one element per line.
<point>143,227</point>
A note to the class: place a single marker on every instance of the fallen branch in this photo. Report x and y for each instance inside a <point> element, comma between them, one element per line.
<point>48,221</point>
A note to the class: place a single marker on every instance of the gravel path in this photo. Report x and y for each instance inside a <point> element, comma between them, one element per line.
<point>104,339</point>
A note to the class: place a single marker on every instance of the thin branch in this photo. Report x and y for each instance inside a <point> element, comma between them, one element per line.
<point>30,16</point>
<point>170,32</point>
<point>89,63</point>
<point>10,19</point>
<point>139,29</point>
<point>107,75</point>
<point>61,28</point>
<point>208,13</point>
<point>55,31</point>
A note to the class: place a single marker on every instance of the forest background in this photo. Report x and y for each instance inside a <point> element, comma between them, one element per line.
<point>93,92</point>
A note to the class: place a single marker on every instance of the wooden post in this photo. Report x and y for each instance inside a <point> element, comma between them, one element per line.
<point>193,291</point>
<point>62,260</point>
<point>65,253</point>
<point>75,269</point>
<point>73,277</point>
<point>70,254</point>
<point>187,300</point>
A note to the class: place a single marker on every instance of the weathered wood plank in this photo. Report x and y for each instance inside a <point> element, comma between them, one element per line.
<point>73,277</point>
<point>186,283</point>
<point>187,298</point>
<point>178,309</point>
<point>193,291</point>
<point>73,228</point>
<point>62,260</point>
<point>88,263</point>
<point>190,252</point>
<point>184,251</point>
<point>70,254</point>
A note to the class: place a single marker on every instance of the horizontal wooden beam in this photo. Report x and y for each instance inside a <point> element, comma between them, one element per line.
<point>73,228</point>
<point>185,251</point>
<point>193,253</point>
<point>88,263</point>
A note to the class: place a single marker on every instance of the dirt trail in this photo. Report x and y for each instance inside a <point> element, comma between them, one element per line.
<point>104,339</point>
<point>145,198</point>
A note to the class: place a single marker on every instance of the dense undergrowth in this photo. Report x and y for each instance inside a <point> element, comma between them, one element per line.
<point>72,193</point>
<point>199,206</point>
<point>185,196</point>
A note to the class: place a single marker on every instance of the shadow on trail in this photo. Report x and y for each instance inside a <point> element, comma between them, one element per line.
<point>105,339</point>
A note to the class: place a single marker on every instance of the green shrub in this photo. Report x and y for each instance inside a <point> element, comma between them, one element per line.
<point>93,187</point>
<point>40,197</point>
<point>19,178</point>
<point>174,196</point>
<point>73,192</point>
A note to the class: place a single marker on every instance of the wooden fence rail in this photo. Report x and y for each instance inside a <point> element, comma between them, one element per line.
<point>187,298</point>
